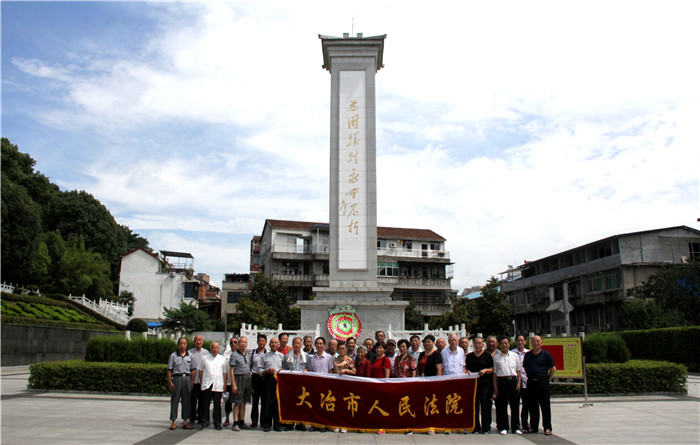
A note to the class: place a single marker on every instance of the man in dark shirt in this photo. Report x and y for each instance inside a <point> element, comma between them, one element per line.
<point>481,362</point>
<point>539,367</point>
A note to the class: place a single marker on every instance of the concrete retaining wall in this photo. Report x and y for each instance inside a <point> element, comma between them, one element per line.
<point>23,345</point>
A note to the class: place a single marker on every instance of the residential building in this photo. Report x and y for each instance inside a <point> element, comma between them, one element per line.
<point>412,263</point>
<point>208,296</point>
<point>583,289</point>
<point>157,280</point>
<point>232,288</point>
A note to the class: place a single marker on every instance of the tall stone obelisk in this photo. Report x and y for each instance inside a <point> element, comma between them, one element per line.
<point>353,63</point>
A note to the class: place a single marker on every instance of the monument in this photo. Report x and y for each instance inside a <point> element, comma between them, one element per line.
<point>353,298</point>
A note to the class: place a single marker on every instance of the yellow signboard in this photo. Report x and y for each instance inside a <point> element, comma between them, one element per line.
<point>567,352</point>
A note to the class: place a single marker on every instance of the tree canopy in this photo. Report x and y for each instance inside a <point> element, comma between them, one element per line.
<point>59,241</point>
<point>185,319</point>
<point>669,298</point>
<point>266,305</point>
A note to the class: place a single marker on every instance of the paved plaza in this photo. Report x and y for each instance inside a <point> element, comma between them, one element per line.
<point>37,417</point>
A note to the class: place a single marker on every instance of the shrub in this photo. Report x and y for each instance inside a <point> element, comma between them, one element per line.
<point>605,348</point>
<point>52,311</point>
<point>76,375</point>
<point>137,325</point>
<point>122,350</point>
<point>678,345</point>
<point>634,376</point>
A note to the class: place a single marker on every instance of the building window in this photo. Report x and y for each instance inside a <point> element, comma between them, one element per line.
<point>233,296</point>
<point>594,283</point>
<point>191,290</point>
<point>694,251</point>
<point>612,279</point>
<point>388,269</point>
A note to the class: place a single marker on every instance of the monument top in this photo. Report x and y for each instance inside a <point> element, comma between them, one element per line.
<point>347,44</point>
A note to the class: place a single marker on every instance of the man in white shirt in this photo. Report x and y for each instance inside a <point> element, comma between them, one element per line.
<point>453,357</point>
<point>212,372</point>
<point>521,350</point>
<point>416,348</point>
<point>506,382</point>
<point>197,353</point>
<point>273,362</point>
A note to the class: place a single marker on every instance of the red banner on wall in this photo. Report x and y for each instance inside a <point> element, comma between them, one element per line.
<point>367,404</point>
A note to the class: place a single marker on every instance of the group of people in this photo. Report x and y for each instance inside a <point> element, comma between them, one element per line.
<point>240,376</point>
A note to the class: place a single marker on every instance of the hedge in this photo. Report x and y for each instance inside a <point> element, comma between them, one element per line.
<point>605,348</point>
<point>52,311</point>
<point>138,350</point>
<point>634,376</point>
<point>678,345</point>
<point>75,375</point>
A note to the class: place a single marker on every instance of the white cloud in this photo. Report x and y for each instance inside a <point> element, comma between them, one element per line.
<point>514,130</point>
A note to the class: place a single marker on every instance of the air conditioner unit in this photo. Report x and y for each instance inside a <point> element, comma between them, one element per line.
<point>392,245</point>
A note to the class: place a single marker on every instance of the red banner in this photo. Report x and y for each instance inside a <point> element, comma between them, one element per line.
<point>366,404</point>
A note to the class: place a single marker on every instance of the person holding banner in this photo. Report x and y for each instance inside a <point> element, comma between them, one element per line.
<point>481,361</point>
<point>343,364</point>
<point>381,366</point>
<point>256,379</point>
<point>506,382</point>
<point>272,363</point>
<point>296,359</point>
<point>404,365</point>
<point>430,360</point>
<point>540,369</point>
<point>321,362</point>
<point>362,365</point>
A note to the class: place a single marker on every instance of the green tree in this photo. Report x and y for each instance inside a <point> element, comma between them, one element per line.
<point>35,211</point>
<point>83,271</point>
<point>266,305</point>
<point>669,298</point>
<point>495,315</point>
<point>185,319</point>
<point>413,317</point>
<point>127,298</point>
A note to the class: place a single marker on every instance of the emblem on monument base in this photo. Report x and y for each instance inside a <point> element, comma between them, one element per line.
<point>344,323</point>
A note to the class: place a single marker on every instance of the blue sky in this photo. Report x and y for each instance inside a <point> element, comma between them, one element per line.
<point>514,129</point>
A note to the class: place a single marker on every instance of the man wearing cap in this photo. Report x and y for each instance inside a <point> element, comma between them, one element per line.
<point>179,373</point>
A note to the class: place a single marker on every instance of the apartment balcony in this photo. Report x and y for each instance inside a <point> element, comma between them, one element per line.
<point>418,254</point>
<point>299,252</point>
<point>415,282</point>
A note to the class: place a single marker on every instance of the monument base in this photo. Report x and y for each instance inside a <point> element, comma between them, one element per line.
<point>374,308</point>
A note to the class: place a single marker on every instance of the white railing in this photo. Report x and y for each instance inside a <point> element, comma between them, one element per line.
<point>114,311</point>
<point>415,253</point>
<point>252,332</point>
<point>396,334</point>
<point>9,288</point>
